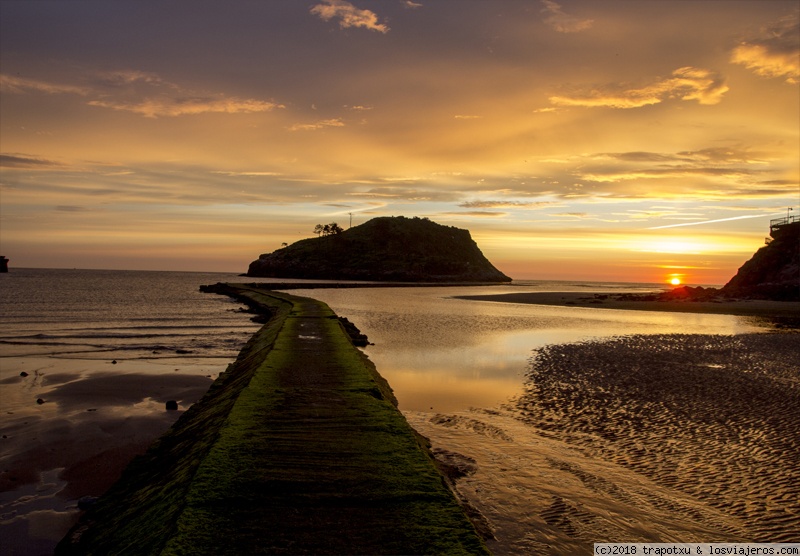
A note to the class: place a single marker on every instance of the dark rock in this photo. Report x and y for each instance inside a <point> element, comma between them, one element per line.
<point>40,401</point>
<point>85,502</point>
<point>172,405</point>
<point>114,362</point>
<point>23,374</point>
<point>358,339</point>
<point>774,270</point>
<point>182,351</point>
<point>453,464</point>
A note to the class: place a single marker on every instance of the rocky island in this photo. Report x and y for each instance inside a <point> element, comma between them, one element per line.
<point>383,249</point>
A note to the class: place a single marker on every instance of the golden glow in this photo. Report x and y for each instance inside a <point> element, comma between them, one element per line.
<point>679,247</point>
<point>675,281</point>
<point>142,158</point>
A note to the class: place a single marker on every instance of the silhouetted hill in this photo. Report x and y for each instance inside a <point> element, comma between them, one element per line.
<point>384,249</point>
<point>774,270</point>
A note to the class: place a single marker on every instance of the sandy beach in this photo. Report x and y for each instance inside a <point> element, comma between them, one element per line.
<point>744,307</point>
<point>664,438</point>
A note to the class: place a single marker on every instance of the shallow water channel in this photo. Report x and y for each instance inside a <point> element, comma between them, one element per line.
<point>445,354</point>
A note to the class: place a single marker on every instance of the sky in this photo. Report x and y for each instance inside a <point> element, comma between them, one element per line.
<point>588,140</point>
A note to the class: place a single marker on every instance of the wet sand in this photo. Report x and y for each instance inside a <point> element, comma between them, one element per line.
<point>749,307</point>
<point>95,417</point>
<point>682,438</point>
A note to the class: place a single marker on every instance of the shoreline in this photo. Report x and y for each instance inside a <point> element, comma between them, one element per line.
<point>751,307</point>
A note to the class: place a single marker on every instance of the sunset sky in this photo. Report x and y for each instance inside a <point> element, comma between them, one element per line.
<point>591,140</point>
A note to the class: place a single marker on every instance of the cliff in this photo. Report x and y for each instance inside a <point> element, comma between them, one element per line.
<point>384,249</point>
<point>774,270</point>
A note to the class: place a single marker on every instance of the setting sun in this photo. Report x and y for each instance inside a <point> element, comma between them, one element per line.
<point>675,281</point>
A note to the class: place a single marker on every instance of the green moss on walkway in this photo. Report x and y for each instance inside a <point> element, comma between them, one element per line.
<point>297,449</point>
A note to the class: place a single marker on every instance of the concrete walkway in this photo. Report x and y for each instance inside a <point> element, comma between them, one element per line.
<point>312,457</point>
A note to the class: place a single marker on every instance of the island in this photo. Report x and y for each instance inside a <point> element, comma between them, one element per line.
<point>396,249</point>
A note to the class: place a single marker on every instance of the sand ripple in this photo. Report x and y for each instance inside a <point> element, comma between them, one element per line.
<point>714,417</point>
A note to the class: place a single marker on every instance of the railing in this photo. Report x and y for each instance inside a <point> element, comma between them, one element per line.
<point>776,223</point>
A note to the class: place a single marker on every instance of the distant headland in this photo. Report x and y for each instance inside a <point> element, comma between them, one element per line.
<point>3,264</point>
<point>767,285</point>
<point>772,273</point>
<point>394,249</point>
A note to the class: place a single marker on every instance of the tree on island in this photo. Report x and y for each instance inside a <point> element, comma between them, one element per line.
<point>328,229</point>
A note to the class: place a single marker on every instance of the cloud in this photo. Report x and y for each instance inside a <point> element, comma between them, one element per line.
<point>142,93</point>
<point>562,22</point>
<point>677,171</point>
<point>348,15</point>
<point>711,221</point>
<point>127,77</point>
<point>715,155</point>
<point>725,155</point>
<point>22,85</point>
<point>15,161</point>
<point>506,204</point>
<point>71,208</point>
<point>477,214</point>
<point>321,124</point>
<point>687,83</point>
<point>247,174</point>
<point>580,215</point>
<point>775,52</point>
<point>161,106</point>
<point>404,194</point>
<point>736,172</point>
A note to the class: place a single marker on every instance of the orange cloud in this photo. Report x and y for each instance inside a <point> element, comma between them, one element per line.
<point>157,98</point>
<point>348,15</point>
<point>507,204</point>
<point>687,83</point>
<point>167,106</point>
<point>775,53</point>
<point>321,124</point>
<point>21,85</point>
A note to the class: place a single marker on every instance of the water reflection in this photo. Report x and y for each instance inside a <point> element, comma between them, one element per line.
<point>452,354</point>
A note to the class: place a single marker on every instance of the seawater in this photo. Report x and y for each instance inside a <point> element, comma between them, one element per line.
<point>436,351</point>
<point>440,353</point>
<point>102,314</point>
<point>136,337</point>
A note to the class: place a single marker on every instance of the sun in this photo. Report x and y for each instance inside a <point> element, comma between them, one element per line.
<point>675,281</point>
